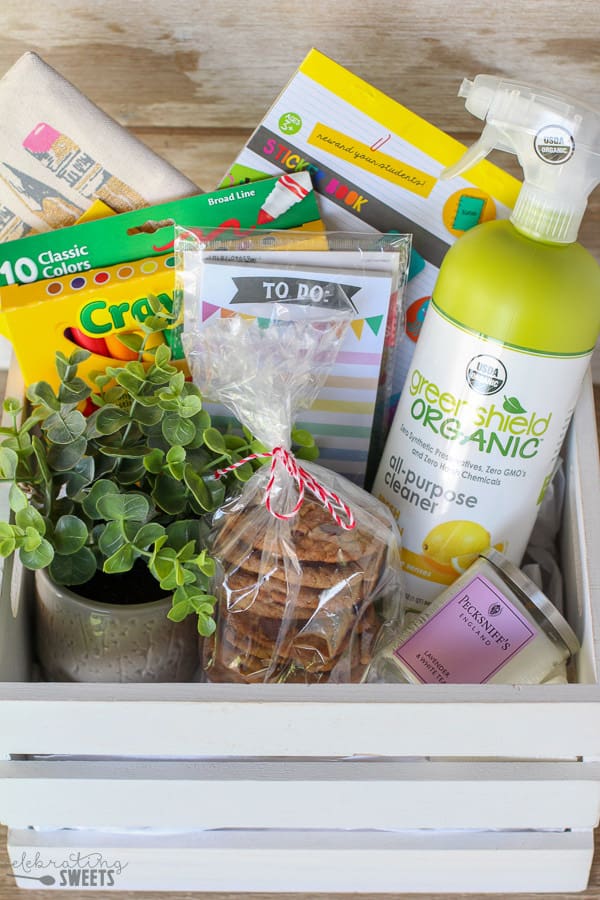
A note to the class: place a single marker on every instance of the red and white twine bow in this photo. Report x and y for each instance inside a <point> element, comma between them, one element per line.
<point>340,512</point>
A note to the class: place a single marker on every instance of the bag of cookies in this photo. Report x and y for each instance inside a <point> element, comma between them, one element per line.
<point>308,562</point>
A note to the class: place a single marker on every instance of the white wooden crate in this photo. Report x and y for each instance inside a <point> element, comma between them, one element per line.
<point>340,788</point>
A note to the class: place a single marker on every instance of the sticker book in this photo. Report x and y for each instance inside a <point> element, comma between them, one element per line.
<point>376,166</point>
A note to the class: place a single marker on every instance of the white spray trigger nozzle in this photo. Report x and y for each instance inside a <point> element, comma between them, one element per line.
<point>557,142</point>
<point>476,152</point>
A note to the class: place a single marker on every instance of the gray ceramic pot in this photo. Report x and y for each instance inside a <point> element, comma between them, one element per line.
<point>85,640</point>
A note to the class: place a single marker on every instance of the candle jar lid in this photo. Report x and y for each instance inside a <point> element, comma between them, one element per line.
<point>534,600</point>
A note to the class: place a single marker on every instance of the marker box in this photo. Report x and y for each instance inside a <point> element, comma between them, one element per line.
<point>148,232</point>
<point>95,277</point>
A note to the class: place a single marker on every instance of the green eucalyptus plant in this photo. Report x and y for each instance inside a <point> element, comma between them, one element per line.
<point>133,480</point>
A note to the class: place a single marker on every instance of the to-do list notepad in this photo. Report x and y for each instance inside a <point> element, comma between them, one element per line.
<point>342,417</point>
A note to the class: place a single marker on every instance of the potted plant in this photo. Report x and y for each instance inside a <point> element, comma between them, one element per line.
<point>109,511</point>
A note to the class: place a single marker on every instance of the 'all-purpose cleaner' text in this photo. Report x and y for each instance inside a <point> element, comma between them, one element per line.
<point>421,491</point>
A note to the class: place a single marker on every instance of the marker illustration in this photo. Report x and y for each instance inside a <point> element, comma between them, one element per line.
<point>65,158</point>
<point>41,199</point>
<point>289,189</point>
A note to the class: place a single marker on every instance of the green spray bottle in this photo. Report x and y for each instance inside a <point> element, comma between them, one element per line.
<point>506,341</point>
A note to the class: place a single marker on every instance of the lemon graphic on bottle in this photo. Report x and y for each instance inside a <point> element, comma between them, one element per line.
<point>455,545</point>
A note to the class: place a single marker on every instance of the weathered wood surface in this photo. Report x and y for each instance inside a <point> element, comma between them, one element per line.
<point>9,892</point>
<point>193,79</point>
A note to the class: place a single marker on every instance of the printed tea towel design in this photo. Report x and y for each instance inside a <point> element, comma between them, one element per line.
<point>59,152</point>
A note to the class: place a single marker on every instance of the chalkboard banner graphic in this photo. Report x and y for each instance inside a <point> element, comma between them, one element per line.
<point>301,291</point>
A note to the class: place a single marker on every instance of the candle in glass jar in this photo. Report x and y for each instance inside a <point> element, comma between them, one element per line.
<point>492,625</point>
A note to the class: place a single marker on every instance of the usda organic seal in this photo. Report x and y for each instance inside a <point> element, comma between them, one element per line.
<point>554,144</point>
<point>485,374</point>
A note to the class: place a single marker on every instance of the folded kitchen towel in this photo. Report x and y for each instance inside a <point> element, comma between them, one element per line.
<point>59,152</point>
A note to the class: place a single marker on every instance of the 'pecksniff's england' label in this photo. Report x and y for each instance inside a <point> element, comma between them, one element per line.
<point>472,450</point>
<point>468,639</point>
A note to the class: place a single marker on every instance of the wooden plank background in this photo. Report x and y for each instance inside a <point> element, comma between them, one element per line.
<point>193,79</point>
<point>9,892</point>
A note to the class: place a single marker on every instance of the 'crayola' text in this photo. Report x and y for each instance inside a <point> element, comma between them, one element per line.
<point>100,317</point>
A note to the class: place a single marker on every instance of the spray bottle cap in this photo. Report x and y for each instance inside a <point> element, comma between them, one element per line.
<point>557,142</point>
